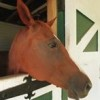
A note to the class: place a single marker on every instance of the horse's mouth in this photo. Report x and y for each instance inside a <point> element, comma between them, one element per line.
<point>75,95</point>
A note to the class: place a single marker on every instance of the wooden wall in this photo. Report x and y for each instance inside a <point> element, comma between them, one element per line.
<point>7,33</point>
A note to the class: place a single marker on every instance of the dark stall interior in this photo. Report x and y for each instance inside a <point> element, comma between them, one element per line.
<point>8,14</point>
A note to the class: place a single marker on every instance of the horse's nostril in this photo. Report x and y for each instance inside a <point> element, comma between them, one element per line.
<point>88,86</point>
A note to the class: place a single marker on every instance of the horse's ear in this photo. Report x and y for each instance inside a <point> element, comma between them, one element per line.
<point>50,23</point>
<point>24,13</point>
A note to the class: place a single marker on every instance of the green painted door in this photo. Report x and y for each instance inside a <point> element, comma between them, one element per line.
<point>82,25</point>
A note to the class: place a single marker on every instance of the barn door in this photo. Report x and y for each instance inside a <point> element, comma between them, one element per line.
<point>83,39</point>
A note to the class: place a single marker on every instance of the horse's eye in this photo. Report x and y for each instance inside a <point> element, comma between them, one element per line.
<point>52,44</point>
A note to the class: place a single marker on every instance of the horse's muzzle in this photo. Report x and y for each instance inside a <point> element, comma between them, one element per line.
<point>79,86</point>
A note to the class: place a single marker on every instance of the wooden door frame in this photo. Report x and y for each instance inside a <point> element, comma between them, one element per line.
<point>52,13</point>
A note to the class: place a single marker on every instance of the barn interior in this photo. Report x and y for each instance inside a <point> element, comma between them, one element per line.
<point>9,16</point>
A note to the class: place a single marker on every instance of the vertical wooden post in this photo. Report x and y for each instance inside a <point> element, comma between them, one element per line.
<point>52,13</point>
<point>61,20</point>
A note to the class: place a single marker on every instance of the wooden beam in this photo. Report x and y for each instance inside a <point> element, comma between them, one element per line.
<point>52,13</point>
<point>7,6</point>
<point>39,9</point>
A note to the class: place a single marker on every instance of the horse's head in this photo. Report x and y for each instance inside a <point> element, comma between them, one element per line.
<point>38,52</point>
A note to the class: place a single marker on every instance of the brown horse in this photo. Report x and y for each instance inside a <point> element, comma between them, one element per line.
<point>36,51</point>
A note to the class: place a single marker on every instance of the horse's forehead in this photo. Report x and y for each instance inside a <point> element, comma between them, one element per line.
<point>43,30</point>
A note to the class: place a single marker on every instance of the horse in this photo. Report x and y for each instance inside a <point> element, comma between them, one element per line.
<point>37,51</point>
